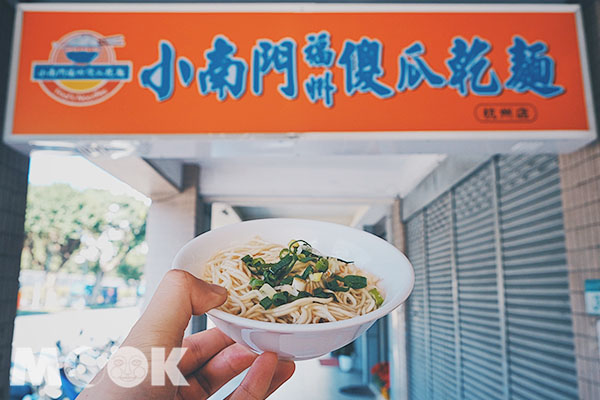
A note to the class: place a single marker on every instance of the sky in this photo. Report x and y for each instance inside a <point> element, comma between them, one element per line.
<point>48,167</point>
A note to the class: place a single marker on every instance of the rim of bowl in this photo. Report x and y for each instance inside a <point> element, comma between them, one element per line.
<point>324,326</point>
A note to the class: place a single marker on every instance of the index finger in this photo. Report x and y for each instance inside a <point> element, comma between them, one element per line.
<point>202,347</point>
<point>256,383</point>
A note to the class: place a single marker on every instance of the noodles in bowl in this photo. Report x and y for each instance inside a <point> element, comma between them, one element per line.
<point>242,259</point>
<point>294,284</point>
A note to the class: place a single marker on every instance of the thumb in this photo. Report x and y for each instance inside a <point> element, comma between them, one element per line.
<point>178,296</point>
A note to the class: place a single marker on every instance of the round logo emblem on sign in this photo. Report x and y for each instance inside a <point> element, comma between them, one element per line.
<point>82,69</point>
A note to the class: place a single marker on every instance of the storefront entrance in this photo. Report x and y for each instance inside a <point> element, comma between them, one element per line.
<point>487,179</point>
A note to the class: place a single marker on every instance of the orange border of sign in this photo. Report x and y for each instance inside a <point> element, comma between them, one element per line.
<point>134,110</point>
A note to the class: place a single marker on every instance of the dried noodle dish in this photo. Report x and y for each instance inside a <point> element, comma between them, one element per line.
<point>294,284</point>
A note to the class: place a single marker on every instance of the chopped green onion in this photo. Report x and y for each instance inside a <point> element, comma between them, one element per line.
<point>376,296</point>
<point>284,262</point>
<point>270,278</point>
<point>295,245</point>
<point>322,265</point>
<point>309,270</point>
<point>270,275</point>
<point>256,283</point>
<point>280,298</point>
<point>289,268</point>
<point>306,256</point>
<point>274,273</point>
<point>266,303</point>
<point>287,280</point>
<point>301,295</point>
<point>320,293</point>
<point>334,286</point>
<point>258,261</point>
<point>355,281</point>
<point>255,265</point>
<point>283,253</point>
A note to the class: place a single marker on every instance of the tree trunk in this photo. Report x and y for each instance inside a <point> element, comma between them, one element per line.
<point>47,281</point>
<point>97,289</point>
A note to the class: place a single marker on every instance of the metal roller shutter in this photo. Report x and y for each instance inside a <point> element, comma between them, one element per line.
<point>540,335</point>
<point>480,327</point>
<point>441,316</point>
<point>418,357</point>
<point>490,317</point>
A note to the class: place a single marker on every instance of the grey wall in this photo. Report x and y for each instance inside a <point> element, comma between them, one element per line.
<point>13,193</point>
<point>14,168</point>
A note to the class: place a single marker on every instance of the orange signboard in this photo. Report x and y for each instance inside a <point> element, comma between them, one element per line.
<point>211,69</point>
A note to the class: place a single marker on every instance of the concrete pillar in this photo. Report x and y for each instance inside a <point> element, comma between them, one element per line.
<point>397,325</point>
<point>580,180</point>
<point>172,222</point>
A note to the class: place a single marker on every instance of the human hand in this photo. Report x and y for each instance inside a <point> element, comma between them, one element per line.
<point>211,359</point>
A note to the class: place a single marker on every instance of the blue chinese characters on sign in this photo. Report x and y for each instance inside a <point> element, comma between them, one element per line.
<point>413,70</point>
<point>471,72</point>
<point>159,77</point>
<point>468,66</point>
<point>108,72</point>
<point>361,62</point>
<point>281,57</point>
<point>223,74</point>
<point>185,71</point>
<point>318,51</point>
<point>320,87</point>
<point>319,54</point>
<point>531,69</point>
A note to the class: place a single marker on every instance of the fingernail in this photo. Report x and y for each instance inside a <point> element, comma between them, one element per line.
<point>220,290</point>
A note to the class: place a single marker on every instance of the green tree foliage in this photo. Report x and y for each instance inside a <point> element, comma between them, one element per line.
<point>92,231</point>
<point>52,235</point>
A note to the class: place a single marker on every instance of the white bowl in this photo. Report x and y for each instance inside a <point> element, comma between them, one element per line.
<point>299,341</point>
